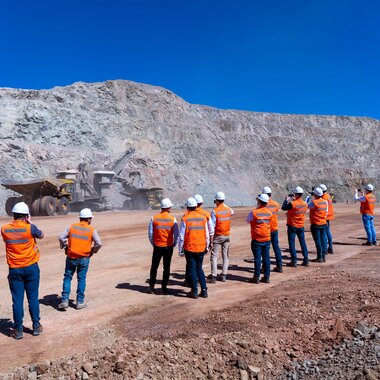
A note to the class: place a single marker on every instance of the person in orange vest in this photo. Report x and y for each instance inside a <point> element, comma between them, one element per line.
<point>24,274</point>
<point>77,241</point>
<point>163,235</point>
<point>194,240</point>
<point>367,208</point>
<point>296,209</point>
<point>330,217</point>
<point>273,206</point>
<point>260,219</point>
<point>318,213</point>
<point>221,220</point>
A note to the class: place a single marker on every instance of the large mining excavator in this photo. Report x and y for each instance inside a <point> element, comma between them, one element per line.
<point>83,187</point>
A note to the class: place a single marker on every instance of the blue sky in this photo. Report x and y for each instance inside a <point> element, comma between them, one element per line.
<point>286,56</point>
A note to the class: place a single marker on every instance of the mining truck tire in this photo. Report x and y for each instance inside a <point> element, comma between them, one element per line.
<point>48,205</point>
<point>63,206</point>
<point>127,205</point>
<point>10,203</point>
<point>140,204</point>
<point>35,207</point>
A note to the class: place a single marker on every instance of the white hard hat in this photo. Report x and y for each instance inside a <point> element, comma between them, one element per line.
<point>166,203</point>
<point>298,190</point>
<point>267,190</point>
<point>85,213</point>
<point>191,202</point>
<point>263,198</point>
<point>219,196</point>
<point>318,191</point>
<point>323,187</point>
<point>198,198</point>
<point>369,187</point>
<point>20,208</point>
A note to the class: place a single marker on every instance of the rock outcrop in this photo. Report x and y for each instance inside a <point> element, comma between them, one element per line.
<point>182,147</point>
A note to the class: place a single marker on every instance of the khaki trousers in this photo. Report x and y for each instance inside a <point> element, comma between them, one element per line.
<point>223,243</point>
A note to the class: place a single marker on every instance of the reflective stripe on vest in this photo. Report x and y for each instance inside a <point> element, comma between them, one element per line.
<point>163,229</point>
<point>260,224</point>
<point>222,220</point>
<point>20,245</point>
<point>80,239</point>
<point>195,234</point>
<point>368,206</point>
<point>330,212</point>
<point>318,214</point>
<point>273,207</point>
<point>296,215</point>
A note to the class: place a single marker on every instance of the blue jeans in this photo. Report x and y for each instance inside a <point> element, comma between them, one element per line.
<point>369,227</point>
<point>276,248</point>
<point>329,236</point>
<point>300,232</point>
<point>194,262</point>
<point>261,250</point>
<point>27,280</point>
<point>320,239</point>
<point>72,265</point>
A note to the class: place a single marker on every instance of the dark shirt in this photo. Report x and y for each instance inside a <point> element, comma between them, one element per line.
<point>36,232</point>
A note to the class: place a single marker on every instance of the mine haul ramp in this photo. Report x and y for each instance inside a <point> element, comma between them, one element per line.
<point>43,196</point>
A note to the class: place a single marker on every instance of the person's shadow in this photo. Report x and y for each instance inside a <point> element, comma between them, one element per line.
<point>145,289</point>
<point>5,326</point>
<point>53,300</point>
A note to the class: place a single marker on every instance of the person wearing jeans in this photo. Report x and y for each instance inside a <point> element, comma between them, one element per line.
<point>330,217</point>
<point>367,209</point>
<point>296,211</point>
<point>318,213</point>
<point>163,235</point>
<point>260,220</point>
<point>194,240</point>
<point>24,274</point>
<point>77,241</point>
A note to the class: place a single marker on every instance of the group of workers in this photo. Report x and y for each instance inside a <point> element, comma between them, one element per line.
<point>199,232</point>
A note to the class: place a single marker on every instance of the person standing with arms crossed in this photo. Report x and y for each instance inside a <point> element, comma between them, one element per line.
<point>367,209</point>
<point>221,220</point>
<point>260,220</point>
<point>318,213</point>
<point>330,216</point>
<point>193,243</point>
<point>163,235</point>
<point>24,273</point>
<point>296,209</point>
<point>77,240</point>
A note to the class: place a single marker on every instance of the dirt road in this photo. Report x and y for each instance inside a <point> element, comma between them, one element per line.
<point>116,283</point>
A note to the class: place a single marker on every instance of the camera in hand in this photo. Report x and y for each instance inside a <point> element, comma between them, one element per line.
<point>291,195</point>
<point>360,190</point>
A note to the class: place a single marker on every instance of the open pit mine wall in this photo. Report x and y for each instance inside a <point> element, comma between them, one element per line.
<point>182,147</point>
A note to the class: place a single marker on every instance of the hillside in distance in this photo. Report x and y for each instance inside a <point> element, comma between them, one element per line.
<point>182,147</point>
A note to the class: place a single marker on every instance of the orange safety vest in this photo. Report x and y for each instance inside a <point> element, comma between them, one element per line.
<point>330,212</point>
<point>318,214</point>
<point>163,229</point>
<point>260,224</point>
<point>80,240</point>
<point>20,245</point>
<point>195,239</point>
<point>200,210</point>
<point>368,206</point>
<point>296,215</point>
<point>273,207</point>
<point>222,220</point>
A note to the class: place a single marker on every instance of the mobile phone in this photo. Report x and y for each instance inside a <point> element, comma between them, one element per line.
<point>359,190</point>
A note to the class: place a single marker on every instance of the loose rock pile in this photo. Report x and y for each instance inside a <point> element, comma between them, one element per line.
<point>357,359</point>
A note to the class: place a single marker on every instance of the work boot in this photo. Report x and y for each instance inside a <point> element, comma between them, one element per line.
<point>292,264</point>
<point>374,243</point>
<point>254,280</point>
<point>191,294</point>
<point>367,243</point>
<point>211,279</point>
<point>80,305</point>
<point>16,334</point>
<point>305,263</point>
<point>63,305</point>
<point>278,269</point>
<point>320,260</point>
<point>222,277</point>
<point>203,293</point>
<point>265,280</point>
<point>324,259</point>
<point>330,251</point>
<point>37,330</point>
<point>151,290</point>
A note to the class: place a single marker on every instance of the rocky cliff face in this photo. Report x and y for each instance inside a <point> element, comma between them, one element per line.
<point>182,147</point>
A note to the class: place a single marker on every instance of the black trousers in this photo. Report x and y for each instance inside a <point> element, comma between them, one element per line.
<point>166,253</point>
